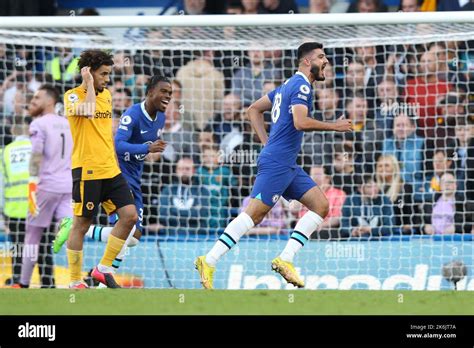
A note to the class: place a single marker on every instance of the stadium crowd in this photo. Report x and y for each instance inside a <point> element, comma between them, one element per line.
<point>408,168</point>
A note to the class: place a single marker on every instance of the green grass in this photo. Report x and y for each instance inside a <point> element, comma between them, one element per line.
<point>223,302</point>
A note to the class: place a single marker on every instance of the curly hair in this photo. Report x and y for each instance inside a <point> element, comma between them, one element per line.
<point>95,59</point>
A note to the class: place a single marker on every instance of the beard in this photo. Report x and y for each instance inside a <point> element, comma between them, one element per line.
<point>316,71</point>
<point>35,111</point>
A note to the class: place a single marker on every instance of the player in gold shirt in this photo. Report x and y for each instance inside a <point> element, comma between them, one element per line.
<point>96,175</point>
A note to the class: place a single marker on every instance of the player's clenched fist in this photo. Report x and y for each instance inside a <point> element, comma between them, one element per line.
<point>86,74</point>
<point>157,146</point>
<point>343,125</point>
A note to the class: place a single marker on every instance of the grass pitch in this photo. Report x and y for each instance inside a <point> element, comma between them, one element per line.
<point>232,302</point>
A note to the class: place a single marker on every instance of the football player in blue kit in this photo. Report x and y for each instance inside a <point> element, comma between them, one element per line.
<point>278,174</point>
<point>138,134</point>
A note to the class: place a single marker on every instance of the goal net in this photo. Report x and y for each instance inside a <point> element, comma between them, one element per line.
<point>399,186</point>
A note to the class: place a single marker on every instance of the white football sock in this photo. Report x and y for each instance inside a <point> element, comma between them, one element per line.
<point>99,233</point>
<point>303,230</point>
<point>236,229</point>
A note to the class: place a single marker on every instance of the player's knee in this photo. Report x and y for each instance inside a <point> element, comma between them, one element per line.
<point>257,217</point>
<point>323,208</point>
<point>130,219</point>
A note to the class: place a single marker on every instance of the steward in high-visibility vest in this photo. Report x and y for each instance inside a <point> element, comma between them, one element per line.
<point>14,168</point>
<point>61,73</point>
<point>14,164</point>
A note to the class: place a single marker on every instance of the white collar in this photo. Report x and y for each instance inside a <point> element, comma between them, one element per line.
<point>21,137</point>
<point>305,77</point>
<point>142,105</point>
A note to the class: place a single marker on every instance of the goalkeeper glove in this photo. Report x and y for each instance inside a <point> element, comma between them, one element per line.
<point>32,188</point>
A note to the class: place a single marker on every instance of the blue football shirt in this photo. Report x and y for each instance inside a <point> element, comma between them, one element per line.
<point>284,141</point>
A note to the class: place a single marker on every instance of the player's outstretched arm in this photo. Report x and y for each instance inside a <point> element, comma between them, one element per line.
<point>304,123</point>
<point>255,115</point>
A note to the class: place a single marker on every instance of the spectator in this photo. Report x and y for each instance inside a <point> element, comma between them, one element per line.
<point>336,198</point>
<point>425,90</point>
<point>234,7</point>
<point>442,163</point>
<point>278,6</point>
<point>410,5</point>
<point>470,169</point>
<point>185,206</point>
<point>451,213</point>
<point>250,6</point>
<point>178,134</point>
<point>368,212</point>
<point>366,6</point>
<point>14,90</point>
<point>367,139</point>
<point>355,78</point>
<point>319,145</point>
<point>153,61</point>
<point>121,101</point>
<point>390,182</point>
<point>272,223</point>
<point>248,81</point>
<point>328,105</point>
<point>244,164</point>
<point>6,63</point>
<point>388,106</point>
<point>453,5</point>
<point>319,6</point>
<point>451,108</point>
<point>203,88</point>
<point>464,134</point>
<point>401,64</point>
<point>407,148</point>
<point>63,66</point>
<point>194,7</point>
<point>177,95</point>
<point>282,62</point>
<point>343,167</point>
<point>374,71</point>
<point>439,51</point>
<point>230,117</point>
<point>218,180</point>
<point>123,68</point>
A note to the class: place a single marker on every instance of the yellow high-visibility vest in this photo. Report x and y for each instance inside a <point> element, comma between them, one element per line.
<point>14,166</point>
<point>54,68</point>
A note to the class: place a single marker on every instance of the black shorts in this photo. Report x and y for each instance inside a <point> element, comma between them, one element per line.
<point>112,193</point>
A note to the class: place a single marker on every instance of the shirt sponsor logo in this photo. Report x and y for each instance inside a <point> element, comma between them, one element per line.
<point>106,114</point>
